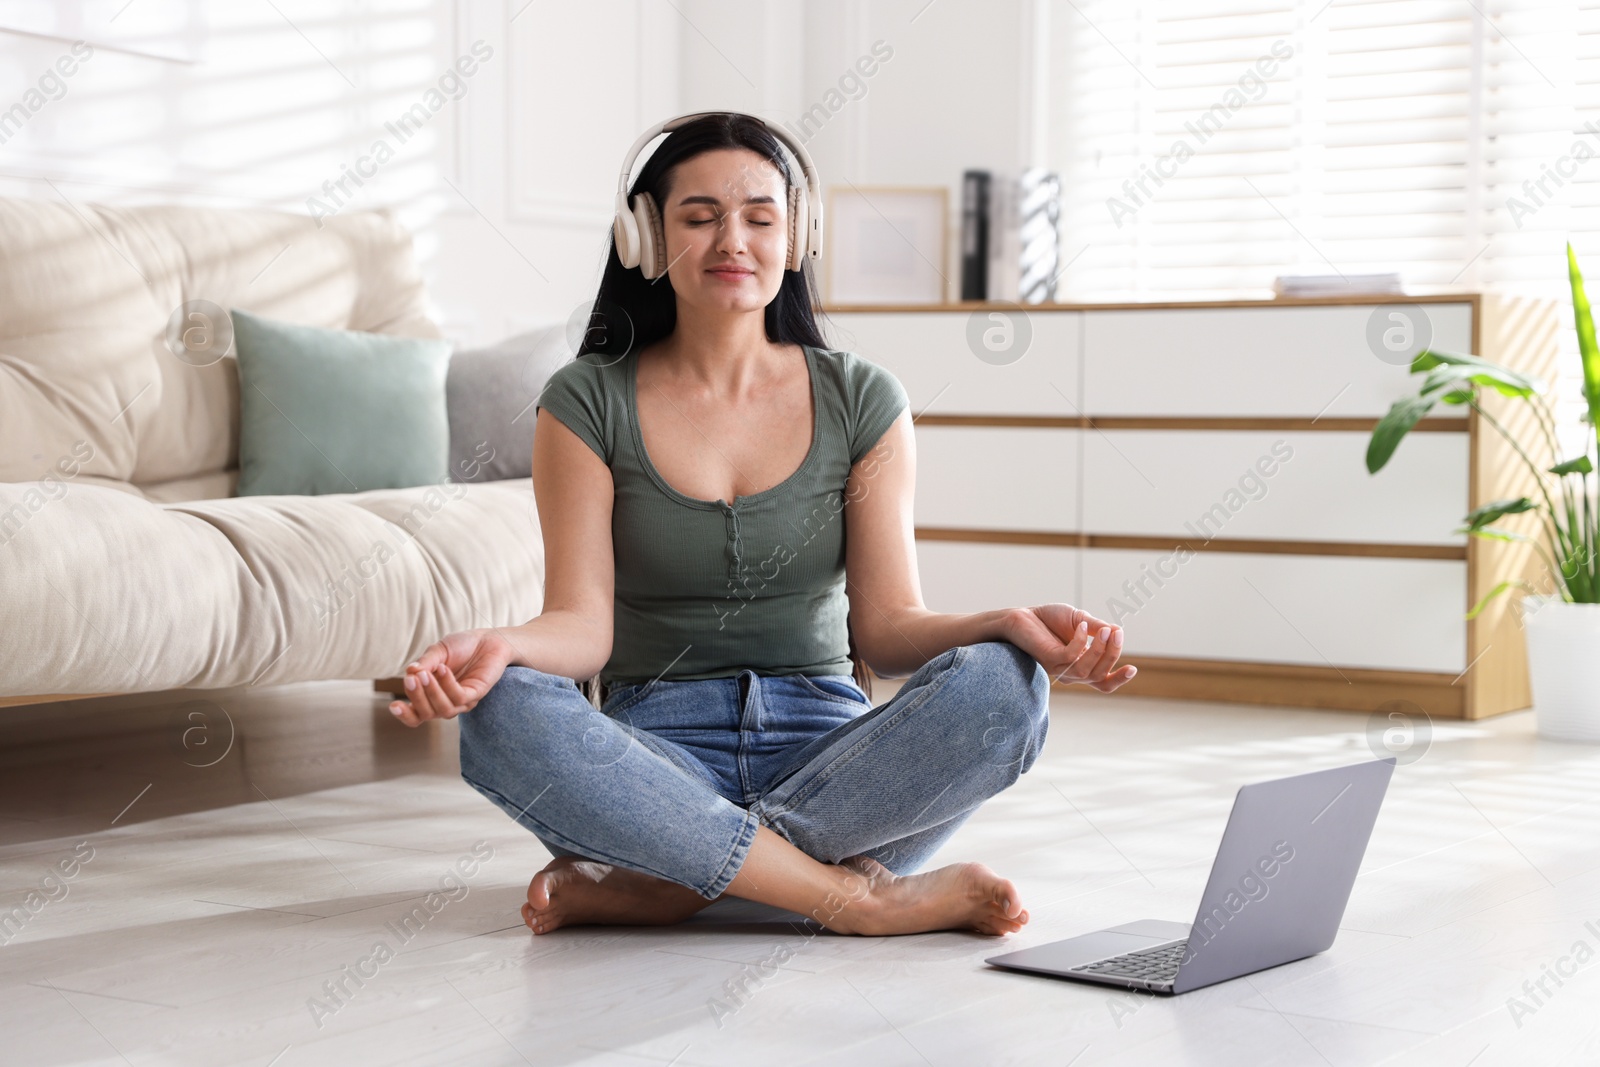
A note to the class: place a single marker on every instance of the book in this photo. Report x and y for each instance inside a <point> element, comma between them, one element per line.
<point>975,234</point>
<point>1307,285</point>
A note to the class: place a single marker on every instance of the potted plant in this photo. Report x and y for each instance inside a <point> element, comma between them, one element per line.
<point>1563,625</point>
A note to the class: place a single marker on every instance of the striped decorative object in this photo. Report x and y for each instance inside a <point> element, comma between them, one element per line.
<point>1039,216</point>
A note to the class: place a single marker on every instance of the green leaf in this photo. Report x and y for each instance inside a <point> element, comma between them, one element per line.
<point>1496,591</point>
<point>1386,436</point>
<point>1507,388</point>
<point>1588,348</point>
<point>1450,368</point>
<point>1460,396</point>
<point>1454,377</point>
<point>1482,516</point>
<point>1581,465</point>
<point>1489,533</point>
<point>1425,360</point>
<point>1441,378</point>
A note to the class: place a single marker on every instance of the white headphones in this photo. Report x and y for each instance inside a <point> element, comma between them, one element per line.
<point>641,240</point>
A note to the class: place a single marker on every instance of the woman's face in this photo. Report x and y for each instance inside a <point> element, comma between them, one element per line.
<point>726,224</point>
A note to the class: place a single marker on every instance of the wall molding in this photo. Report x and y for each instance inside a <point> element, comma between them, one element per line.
<point>526,201</point>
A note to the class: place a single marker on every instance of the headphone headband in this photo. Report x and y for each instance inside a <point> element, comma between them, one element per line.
<point>811,238</point>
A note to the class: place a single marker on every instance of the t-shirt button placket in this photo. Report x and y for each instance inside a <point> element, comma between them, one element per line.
<point>735,545</point>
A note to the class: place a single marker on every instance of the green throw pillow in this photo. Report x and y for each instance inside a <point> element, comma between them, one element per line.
<point>338,411</point>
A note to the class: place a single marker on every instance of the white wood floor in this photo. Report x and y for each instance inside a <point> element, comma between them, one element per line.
<point>219,899</point>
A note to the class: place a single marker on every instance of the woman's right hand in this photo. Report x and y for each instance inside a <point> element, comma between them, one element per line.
<point>452,675</point>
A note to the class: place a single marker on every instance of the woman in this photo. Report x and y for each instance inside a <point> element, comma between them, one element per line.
<point>734,751</point>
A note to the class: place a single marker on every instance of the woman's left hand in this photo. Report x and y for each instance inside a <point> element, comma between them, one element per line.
<point>1071,645</point>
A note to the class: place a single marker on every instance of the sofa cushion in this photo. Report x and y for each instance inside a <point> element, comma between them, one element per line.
<point>492,392</point>
<point>105,591</point>
<point>338,411</point>
<point>211,486</point>
<point>89,291</point>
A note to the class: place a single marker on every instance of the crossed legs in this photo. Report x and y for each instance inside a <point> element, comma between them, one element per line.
<point>835,837</point>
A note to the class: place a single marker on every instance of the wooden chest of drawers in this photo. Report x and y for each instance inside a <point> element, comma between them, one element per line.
<point>1195,471</point>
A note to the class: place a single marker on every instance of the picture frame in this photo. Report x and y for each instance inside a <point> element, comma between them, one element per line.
<point>887,244</point>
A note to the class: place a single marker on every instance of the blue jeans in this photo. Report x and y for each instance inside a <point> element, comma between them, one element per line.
<point>672,778</point>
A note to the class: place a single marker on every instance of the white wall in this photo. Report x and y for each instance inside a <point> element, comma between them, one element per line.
<point>508,186</point>
<point>956,94</point>
<point>540,154</point>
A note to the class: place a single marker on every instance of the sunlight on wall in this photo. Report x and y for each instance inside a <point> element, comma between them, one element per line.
<point>299,106</point>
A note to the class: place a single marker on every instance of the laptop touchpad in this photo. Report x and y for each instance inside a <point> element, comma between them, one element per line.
<point>1076,951</point>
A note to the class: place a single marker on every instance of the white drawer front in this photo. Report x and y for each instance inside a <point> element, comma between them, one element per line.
<point>1288,361</point>
<point>997,478</point>
<point>1274,485</point>
<point>931,355</point>
<point>960,576</point>
<point>1395,614</point>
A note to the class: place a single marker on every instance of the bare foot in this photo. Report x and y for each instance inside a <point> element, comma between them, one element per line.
<point>962,896</point>
<point>573,892</point>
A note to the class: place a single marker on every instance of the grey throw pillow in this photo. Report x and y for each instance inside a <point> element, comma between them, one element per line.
<point>491,393</point>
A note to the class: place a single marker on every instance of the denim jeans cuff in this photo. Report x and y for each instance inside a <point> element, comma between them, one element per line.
<point>736,857</point>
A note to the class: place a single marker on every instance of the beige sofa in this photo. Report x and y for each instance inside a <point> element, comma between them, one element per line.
<point>125,563</point>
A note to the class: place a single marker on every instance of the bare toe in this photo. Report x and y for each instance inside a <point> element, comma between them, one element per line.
<point>571,891</point>
<point>1005,897</point>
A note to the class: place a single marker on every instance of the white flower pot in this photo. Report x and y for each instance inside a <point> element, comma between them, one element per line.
<point>1564,667</point>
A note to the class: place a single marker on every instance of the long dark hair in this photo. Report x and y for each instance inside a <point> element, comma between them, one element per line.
<point>632,312</point>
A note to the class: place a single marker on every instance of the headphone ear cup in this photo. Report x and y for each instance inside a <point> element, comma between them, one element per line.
<point>799,226</point>
<point>652,236</point>
<point>625,231</point>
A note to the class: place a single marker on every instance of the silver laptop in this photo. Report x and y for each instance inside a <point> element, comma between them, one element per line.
<point>1277,891</point>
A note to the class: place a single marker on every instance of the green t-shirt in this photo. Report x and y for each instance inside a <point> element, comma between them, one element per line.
<point>705,589</point>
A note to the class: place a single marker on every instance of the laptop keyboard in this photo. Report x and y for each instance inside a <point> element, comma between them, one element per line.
<point>1146,965</point>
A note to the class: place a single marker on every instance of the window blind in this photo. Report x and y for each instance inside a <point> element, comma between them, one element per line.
<point>1204,149</point>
